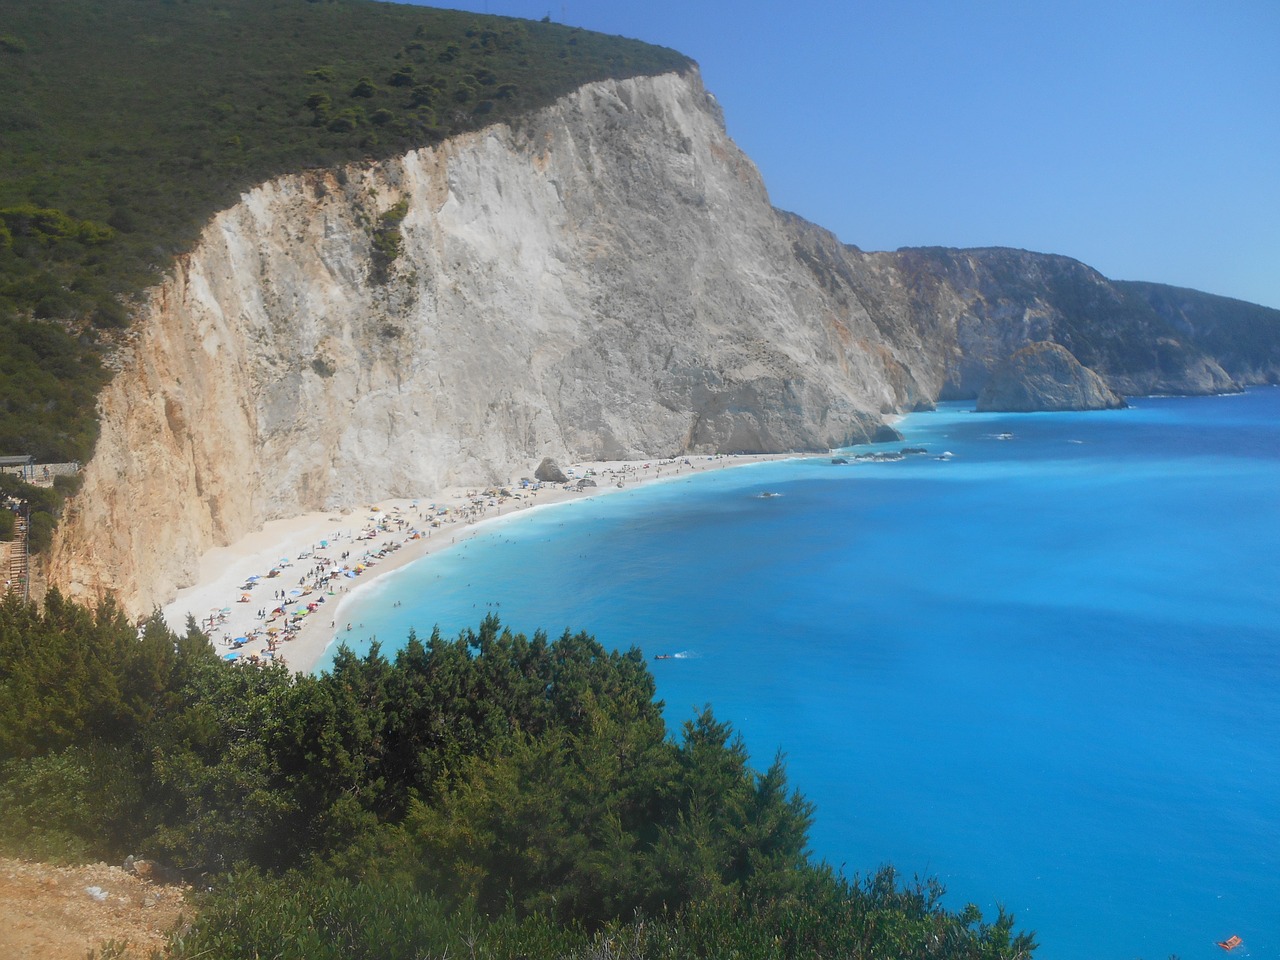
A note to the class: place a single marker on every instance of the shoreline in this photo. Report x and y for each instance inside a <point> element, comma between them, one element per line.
<point>276,593</point>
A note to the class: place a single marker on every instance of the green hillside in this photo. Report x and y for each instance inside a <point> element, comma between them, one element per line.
<point>125,124</point>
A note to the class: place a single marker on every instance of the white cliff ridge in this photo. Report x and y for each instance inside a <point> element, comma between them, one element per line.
<point>607,280</point>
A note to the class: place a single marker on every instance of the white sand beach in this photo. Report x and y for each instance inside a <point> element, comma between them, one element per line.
<point>274,594</point>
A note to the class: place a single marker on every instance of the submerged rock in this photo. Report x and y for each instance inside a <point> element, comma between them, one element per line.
<point>1045,376</point>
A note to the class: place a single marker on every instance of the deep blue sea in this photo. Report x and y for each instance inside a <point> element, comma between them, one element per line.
<point>1046,670</point>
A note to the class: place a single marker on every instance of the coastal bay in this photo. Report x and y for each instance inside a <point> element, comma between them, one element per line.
<point>1041,668</point>
<point>258,589</point>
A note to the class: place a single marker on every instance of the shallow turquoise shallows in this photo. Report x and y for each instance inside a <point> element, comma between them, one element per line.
<point>1045,669</point>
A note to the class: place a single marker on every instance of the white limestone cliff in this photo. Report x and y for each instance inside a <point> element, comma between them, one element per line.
<point>605,280</point>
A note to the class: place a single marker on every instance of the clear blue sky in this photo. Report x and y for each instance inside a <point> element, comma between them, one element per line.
<point>1141,137</point>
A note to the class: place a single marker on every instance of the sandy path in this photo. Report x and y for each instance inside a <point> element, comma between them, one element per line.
<point>312,560</point>
<point>61,913</point>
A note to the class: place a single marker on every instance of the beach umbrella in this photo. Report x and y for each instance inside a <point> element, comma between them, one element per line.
<point>252,579</point>
<point>295,592</point>
<point>231,656</point>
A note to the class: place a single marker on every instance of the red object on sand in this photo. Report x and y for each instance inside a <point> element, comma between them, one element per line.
<point>1230,943</point>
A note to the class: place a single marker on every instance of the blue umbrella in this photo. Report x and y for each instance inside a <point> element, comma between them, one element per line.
<point>231,656</point>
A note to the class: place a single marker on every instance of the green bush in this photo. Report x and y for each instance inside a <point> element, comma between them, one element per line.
<point>387,241</point>
<point>50,808</point>
<point>502,793</point>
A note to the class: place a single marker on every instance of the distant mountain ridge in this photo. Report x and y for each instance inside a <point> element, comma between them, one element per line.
<point>1012,297</point>
<point>1243,337</point>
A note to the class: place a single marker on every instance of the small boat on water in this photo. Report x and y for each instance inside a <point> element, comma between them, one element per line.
<point>663,656</point>
<point>1230,943</point>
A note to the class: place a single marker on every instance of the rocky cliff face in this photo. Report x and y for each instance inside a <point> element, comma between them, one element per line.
<point>605,280</point>
<point>1045,376</point>
<point>989,303</point>
<point>959,314</point>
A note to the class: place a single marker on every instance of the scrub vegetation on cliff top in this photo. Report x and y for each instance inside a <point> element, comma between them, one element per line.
<point>493,795</point>
<point>126,125</point>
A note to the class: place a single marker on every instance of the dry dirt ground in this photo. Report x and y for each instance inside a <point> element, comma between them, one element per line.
<point>61,913</point>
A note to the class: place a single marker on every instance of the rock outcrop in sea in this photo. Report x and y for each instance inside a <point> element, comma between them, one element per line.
<point>604,280</point>
<point>1045,376</point>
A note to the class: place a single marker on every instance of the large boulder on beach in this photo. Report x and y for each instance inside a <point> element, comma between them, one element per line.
<point>549,472</point>
<point>1045,376</point>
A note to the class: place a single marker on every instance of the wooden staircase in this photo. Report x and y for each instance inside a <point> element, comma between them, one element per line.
<point>19,561</point>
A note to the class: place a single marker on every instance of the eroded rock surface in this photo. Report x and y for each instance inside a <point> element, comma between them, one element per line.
<point>1045,376</point>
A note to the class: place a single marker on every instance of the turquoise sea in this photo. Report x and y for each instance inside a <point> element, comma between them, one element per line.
<point>1045,670</point>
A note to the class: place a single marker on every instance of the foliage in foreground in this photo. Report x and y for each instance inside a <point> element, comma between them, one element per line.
<point>298,918</point>
<point>495,794</point>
